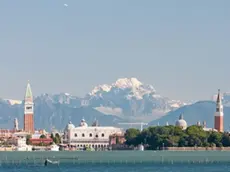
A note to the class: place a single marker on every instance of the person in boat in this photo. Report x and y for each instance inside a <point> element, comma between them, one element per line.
<point>46,162</point>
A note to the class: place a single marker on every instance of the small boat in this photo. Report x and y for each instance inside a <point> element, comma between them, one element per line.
<point>47,161</point>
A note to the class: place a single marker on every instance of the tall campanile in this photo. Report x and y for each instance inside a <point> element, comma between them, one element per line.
<point>219,114</point>
<point>29,110</point>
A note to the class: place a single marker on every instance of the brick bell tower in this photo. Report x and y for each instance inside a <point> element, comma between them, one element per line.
<point>29,111</point>
<point>219,114</point>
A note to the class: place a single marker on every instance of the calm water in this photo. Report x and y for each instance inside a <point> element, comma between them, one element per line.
<point>119,168</point>
<point>125,161</point>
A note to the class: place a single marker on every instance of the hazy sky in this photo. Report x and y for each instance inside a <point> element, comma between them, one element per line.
<point>180,47</point>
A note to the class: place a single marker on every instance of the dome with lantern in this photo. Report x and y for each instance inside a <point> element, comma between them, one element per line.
<point>83,123</point>
<point>181,122</point>
<point>69,126</point>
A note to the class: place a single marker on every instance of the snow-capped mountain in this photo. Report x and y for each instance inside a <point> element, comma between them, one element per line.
<point>124,97</point>
<point>132,86</point>
<point>127,99</point>
<point>129,96</point>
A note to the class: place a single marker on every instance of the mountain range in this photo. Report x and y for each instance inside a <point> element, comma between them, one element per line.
<point>125,100</point>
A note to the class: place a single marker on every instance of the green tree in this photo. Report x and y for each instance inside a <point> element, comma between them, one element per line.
<point>131,133</point>
<point>41,144</point>
<point>117,140</point>
<point>55,140</point>
<point>183,141</point>
<point>52,136</point>
<point>131,136</point>
<point>28,137</point>
<point>58,138</point>
<point>226,139</point>
<point>42,136</point>
<point>156,137</point>
<point>216,138</point>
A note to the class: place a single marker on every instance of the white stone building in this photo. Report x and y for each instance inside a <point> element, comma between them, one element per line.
<point>89,136</point>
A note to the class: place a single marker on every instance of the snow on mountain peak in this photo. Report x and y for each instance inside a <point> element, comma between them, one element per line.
<point>136,88</point>
<point>127,83</point>
<point>102,88</point>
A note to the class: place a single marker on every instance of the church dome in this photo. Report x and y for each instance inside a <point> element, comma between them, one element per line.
<point>181,122</point>
<point>83,123</point>
<point>69,126</point>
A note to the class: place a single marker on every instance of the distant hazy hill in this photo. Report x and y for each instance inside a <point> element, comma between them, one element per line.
<point>200,111</point>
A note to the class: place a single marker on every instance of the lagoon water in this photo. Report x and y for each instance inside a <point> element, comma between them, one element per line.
<point>116,161</point>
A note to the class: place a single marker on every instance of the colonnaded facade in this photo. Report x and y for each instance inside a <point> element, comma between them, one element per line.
<point>89,136</point>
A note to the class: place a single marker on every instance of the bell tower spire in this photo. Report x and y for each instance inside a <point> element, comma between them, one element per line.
<point>219,114</point>
<point>28,110</point>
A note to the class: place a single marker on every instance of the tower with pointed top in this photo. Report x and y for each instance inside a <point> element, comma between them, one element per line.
<point>16,124</point>
<point>219,114</point>
<point>29,110</point>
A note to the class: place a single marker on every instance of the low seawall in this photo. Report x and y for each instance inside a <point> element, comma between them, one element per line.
<point>197,148</point>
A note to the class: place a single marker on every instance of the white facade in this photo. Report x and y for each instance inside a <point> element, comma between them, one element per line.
<point>22,146</point>
<point>54,147</point>
<point>89,136</point>
<point>21,141</point>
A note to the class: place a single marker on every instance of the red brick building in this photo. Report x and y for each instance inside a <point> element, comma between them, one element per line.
<point>44,141</point>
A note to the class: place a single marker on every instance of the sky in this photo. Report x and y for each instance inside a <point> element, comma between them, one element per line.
<point>180,47</point>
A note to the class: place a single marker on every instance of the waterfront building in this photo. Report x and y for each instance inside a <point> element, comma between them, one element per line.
<point>204,126</point>
<point>116,139</point>
<point>28,110</point>
<point>94,136</point>
<point>21,134</point>
<point>219,114</point>
<point>5,133</point>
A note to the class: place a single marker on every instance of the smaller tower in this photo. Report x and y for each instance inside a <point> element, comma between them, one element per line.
<point>219,114</point>
<point>16,124</point>
<point>167,124</point>
<point>204,124</point>
<point>198,123</point>
<point>95,123</point>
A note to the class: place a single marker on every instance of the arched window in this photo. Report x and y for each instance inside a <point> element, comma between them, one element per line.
<point>102,135</point>
<point>90,135</point>
<point>75,134</point>
<point>83,135</point>
<point>96,136</point>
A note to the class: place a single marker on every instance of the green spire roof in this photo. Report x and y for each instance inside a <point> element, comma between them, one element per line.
<point>28,91</point>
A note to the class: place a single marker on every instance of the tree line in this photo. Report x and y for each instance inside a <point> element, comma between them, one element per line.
<point>173,136</point>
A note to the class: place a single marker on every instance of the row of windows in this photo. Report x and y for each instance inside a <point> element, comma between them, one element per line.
<point>90,142</point>
<point>94,146</point>
<point>90,135</point>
